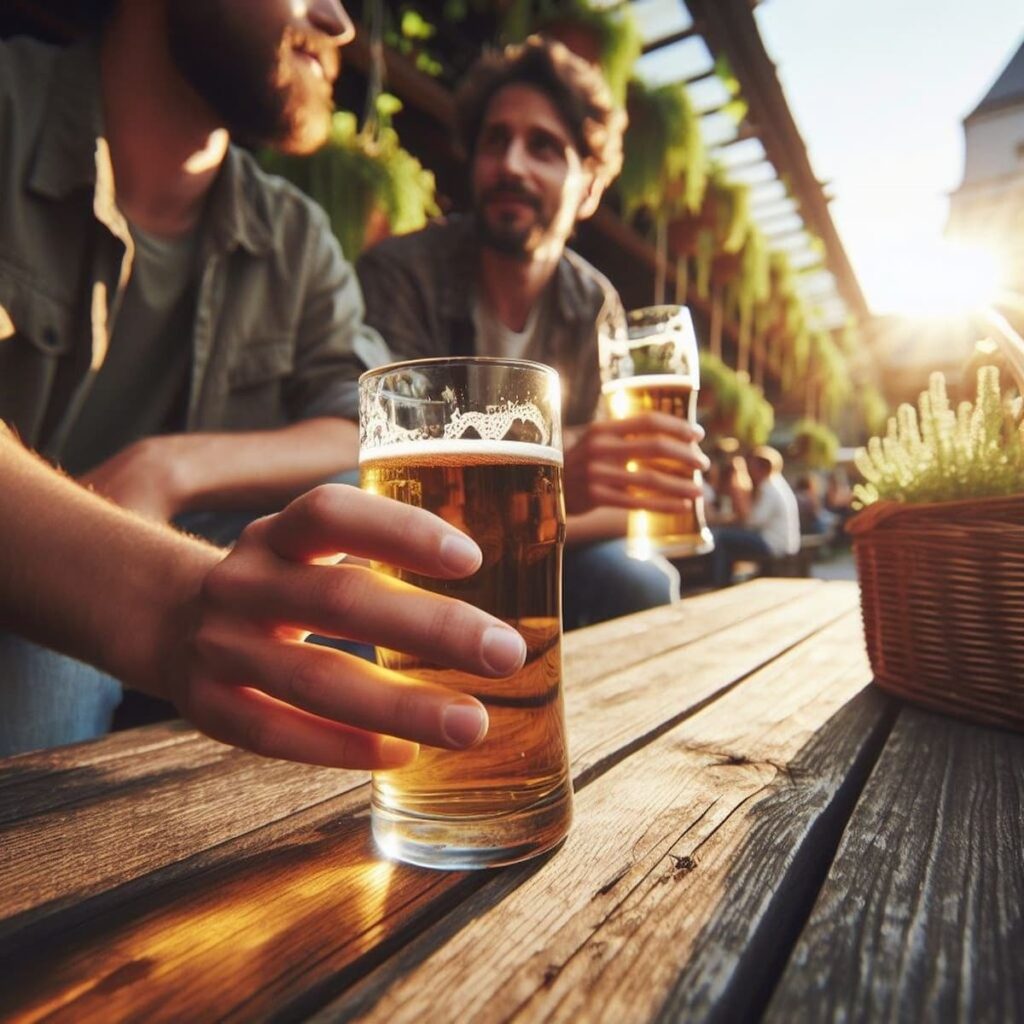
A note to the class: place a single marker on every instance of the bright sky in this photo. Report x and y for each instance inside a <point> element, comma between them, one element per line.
<point>878,89</point>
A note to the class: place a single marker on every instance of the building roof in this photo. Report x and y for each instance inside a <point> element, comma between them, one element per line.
<point>1006,91</point>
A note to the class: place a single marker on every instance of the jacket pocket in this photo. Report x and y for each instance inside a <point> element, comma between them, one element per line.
<point>35,333</point>
<point>30,316</point>
<point>262,361</point>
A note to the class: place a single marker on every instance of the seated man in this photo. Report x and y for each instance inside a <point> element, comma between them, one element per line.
<point>543,141</point>
<point>177,329</point>
<point>766,520</point>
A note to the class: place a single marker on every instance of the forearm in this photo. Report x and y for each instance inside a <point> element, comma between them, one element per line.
<point>88,578</point>
<point>258,469</point>
<point>599,524</point>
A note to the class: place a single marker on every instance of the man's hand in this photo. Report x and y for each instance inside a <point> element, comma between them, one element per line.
<point>242,674</point>
<point>144,477</point>
<point>596,463</point>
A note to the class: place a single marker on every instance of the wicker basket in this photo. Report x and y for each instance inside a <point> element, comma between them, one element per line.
<point>942,595</point>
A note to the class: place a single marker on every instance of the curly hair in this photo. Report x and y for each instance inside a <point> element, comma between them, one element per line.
<point>575,87</point>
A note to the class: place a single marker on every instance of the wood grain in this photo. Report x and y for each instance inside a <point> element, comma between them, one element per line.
<point>130,816</point>
<point>298,917</point>
<point>84,820</point>
<point>922,914</point>
<point>687,864</point>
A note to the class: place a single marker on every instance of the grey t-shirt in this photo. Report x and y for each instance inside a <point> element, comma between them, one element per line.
<point>140,389</point>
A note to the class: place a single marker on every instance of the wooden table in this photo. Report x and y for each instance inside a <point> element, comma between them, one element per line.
<point>757,835</point>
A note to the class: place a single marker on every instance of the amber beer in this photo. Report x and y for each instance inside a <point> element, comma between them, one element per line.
<point>511,796</point>
<point>672,534</point>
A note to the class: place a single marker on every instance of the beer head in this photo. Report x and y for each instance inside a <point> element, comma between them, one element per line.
<point>659,340</point>
<point>472,400</point>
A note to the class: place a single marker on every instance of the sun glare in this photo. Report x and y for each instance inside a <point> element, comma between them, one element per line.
<point>946,279</point>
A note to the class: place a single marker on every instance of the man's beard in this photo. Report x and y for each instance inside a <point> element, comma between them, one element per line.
<point>250,83</point>
<point>509,240</point>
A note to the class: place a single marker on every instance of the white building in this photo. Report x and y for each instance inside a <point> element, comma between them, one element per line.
<point>988,208</point>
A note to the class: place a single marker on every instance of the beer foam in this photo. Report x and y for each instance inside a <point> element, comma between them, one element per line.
<point>495,423</point>
<point>463,452</point>
<point>650,380</point>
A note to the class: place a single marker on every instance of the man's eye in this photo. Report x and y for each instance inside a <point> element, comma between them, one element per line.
<point>546,146</point>
<point>493,142</point>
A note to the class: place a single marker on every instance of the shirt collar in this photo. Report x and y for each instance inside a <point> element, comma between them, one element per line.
<point>237,207</point>
<point>72,154</point>
<point>66,155</point>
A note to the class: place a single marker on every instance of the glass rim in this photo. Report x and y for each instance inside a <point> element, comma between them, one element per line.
<point>658,308</point>
<point>401,364</point>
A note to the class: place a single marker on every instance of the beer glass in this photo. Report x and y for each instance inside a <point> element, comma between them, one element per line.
<point>654,367</point>
<point>478,442</point>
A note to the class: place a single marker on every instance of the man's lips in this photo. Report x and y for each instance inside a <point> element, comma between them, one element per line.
<point>511,201</point>
<point>322,61</point>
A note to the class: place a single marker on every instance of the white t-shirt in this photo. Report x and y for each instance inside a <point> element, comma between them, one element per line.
<point>776,516</point>
<point>493,338</point>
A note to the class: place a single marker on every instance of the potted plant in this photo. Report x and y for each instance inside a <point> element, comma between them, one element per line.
<point>606,35</point>
<point>664,163</point>
<point>814,445</point>
<point>366,182</point>
<point>939,546</point>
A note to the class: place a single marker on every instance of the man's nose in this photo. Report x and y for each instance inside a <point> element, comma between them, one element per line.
<point>331,18</point>
<point>514,158</point>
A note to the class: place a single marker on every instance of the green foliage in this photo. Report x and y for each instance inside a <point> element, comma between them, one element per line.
<point>815,444</point>
<point>664,165</point>
<point>725,214</point>
<point>827,364</point>
<point>613,27</point>
<point>936,453</point>
<point>355,173</point>
<point>751,283</point>
<point>874,409</point>
<point>738,406</point>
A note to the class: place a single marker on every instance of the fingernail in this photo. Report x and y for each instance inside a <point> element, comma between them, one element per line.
<point>396,753</point>
<point>459,554</point>
<point>463,724</point>
<point>504,650</point>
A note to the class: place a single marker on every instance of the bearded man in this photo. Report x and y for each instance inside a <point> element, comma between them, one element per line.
<point>177,330</point>
<point>543,140</point>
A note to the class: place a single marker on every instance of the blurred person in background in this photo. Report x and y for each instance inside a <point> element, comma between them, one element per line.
<point>814,517</point>
<point>765,517</point>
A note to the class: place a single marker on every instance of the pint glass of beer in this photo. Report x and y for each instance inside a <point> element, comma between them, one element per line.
<point>478,442</point>
<point>654,367</point>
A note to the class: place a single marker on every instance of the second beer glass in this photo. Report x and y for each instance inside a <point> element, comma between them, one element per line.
<point>655,368</point>
<point>478,442</point>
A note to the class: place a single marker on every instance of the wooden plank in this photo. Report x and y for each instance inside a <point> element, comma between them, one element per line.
<point>86,819</point>
<point>316,907</point>
<point>172,809</point>
<point>33,784</point>
<point>922,914</point>
<point>667,687</point>
<point>689,867</point>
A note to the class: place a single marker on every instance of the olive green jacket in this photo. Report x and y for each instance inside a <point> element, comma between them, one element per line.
<point>278,334</point>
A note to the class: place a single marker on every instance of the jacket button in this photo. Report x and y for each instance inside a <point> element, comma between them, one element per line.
<point>50,339</point>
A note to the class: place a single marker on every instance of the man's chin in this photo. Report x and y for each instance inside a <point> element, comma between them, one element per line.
<point>304,133</point>
<point>507,241</point>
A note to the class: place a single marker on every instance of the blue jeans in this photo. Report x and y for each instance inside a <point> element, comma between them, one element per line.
<point>733,544</point>
<point>600,581</point>
<point>48,700</point>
